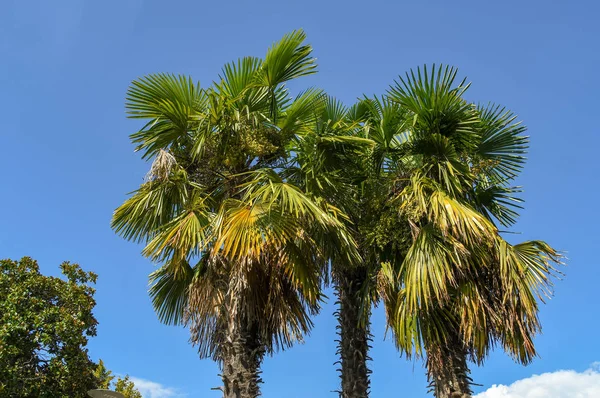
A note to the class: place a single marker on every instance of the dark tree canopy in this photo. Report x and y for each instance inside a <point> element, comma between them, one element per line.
<point>45,323</point>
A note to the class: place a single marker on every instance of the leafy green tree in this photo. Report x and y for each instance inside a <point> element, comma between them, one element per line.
<point>236,240</point>
<point>45,323</point>
<point>105,378</point>
<point>126,387</point>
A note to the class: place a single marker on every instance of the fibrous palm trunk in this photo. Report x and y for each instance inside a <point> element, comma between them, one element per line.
<point>354,333</point>
<point>242,355</point>
<point>448,371</point>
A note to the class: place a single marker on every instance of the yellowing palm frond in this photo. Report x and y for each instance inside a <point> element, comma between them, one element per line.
<point>428,269</point>
<point>247,230</point>
<point>527,269</point>
<point>423,198</point>
<point>189,233</point>
<point>456,218</point>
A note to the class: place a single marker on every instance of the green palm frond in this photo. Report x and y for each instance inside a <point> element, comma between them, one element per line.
<point>340,142</point>
<point>503,146</point>
<point>386,123</point>
<point>335,112</point>
<point>287,59</point>
<point>153,205</point>
<point>436,105</point>
<point>238,77</point>
<point>358,112</point>
<point>171,103</point>
<point>266,187</point>
<point>497,202</point>
<point>428,268</point>
<point>187,234</point>
<point>440,161</point>
<point>303,111</point>
<point>169,292</point>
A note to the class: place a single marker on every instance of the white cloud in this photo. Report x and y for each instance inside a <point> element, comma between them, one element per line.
<point>559,384</point>
<point>150,389</point>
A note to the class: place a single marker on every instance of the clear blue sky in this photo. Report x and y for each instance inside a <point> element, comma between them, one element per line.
<point>67,161</point>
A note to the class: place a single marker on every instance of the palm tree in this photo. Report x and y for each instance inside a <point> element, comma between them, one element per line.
<point>447,163</point>
<point>236,240</point>
<point>461,287</point>
<point>343,161</point>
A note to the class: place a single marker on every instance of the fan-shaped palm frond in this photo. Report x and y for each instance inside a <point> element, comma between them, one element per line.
<point>287,59</point>
<point>169,291</point>
<point>154,204</point>
<point>303,112</point>
<point>237,77</point>
<point>436,105</point>
<point>427,269</point>
<point>186,235</point>
<point>497,202</point>
<point>171,103</point>
<point>503,146</point>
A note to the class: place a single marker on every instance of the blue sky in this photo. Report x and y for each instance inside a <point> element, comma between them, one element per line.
<point>67,161</point>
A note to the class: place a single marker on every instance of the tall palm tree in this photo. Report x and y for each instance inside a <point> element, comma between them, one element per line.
<point>327,166</point>
<point>236,240</point>
<point>461,287</point>
<point>447,163</point>
<point>343,161</point>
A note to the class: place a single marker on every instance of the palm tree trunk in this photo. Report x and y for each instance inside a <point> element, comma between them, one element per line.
<point>354,335</point>
<point>242,356</point>
<point>448,370</point>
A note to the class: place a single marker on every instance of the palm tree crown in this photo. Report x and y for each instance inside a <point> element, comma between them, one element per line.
<point>234,237</point>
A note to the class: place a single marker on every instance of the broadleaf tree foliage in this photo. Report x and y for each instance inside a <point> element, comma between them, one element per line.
<point>45,325</point>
